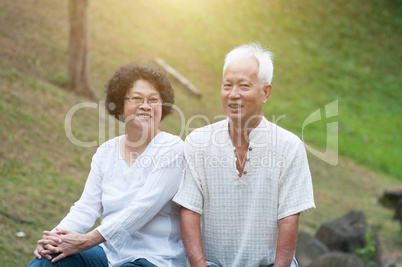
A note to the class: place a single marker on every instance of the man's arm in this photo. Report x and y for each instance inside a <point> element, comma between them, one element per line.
<point>287,240</point>
<point>191,234</point>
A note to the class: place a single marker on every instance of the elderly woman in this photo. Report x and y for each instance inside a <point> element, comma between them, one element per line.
<point>132,180</point>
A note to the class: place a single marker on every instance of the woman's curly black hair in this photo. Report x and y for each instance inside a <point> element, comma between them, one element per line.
<point>123,80</point>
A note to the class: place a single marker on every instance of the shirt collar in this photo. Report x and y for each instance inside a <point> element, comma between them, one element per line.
<point>262,127</point>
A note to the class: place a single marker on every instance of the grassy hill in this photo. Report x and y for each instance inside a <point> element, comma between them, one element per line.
<point>324,51</point>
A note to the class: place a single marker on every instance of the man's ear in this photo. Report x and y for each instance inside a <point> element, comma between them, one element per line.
<point>267,92</point>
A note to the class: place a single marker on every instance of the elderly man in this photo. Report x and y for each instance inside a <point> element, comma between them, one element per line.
<point>246,180</point>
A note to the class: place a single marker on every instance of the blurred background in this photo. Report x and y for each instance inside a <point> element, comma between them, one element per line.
<point>325,51</point>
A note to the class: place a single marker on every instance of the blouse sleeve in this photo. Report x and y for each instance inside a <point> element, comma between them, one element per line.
<point>88,208</point>
<point>159,188</point>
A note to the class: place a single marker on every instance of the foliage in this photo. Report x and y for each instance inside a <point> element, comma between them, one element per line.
<point>397,238</point>
<point>369,250</point>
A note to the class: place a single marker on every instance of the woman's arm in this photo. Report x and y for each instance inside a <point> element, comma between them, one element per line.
<point>87,209</point>
<point>81,217</point>
<point>160,186</point>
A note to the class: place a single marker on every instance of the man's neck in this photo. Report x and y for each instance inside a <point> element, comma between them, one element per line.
<point>239,133</point>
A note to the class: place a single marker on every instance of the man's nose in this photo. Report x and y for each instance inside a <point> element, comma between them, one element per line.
<point>234,93</point>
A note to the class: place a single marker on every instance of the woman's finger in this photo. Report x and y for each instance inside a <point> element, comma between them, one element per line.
<point>47,254</point>
<point>37,254</point>
<point>51,249</point>
<point>59,257</point>
<point>54,238</point>
<point>44,242</point>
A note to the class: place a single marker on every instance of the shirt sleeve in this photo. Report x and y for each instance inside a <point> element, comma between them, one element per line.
<point>88,208</point>
<point>161,185</point>
<point>295,186</point>
<point>190,194</point>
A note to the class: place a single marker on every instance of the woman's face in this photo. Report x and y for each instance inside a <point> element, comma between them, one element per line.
<point>143,107</point>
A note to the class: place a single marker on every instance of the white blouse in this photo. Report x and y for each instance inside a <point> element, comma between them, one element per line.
<point>138,218</point>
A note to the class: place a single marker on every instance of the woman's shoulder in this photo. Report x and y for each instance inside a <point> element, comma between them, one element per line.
<point>111,144</point>
<point>114,142</point>
<point>167,142</point>
<point>168,139</point>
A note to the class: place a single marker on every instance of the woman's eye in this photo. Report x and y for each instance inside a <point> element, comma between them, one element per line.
<point>137,99</point>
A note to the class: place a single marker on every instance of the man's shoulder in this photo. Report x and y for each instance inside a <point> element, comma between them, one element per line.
<point>206,137</point>
<point>281,134</point>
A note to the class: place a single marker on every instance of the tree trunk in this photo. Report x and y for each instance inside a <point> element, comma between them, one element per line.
<point>78,65</point>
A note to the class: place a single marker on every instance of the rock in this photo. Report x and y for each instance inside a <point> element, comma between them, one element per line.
<point>398,211</point>
<point>337,259</point>
<point>308,248</point>
<point>347,234</point>
<point>344,234</point>
<point>390,197</point>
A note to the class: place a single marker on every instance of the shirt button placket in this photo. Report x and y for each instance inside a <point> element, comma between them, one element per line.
<point>247,159</point>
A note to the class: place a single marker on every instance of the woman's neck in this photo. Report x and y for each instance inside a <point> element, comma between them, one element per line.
<point>137,138</point>
<point>134,144</point>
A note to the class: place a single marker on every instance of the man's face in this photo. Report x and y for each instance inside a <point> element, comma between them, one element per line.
<point>242,93</point>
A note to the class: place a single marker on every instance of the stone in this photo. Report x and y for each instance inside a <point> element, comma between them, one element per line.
<point>347,234</point>
<point>337,259</point>
<point>391,197</point>
<point>398,211</point>
<point>308,248</point>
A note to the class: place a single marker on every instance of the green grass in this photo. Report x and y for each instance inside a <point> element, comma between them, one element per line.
<point>324,51</point>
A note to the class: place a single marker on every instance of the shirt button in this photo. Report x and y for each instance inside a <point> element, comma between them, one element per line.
<point>245,172</point>
<point>250,148</point>
<point>247,159</point>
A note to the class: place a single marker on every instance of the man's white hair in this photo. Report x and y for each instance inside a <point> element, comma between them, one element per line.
<point>264,57</point>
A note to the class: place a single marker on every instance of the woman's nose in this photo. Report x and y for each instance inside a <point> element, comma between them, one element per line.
<point>145,105</point>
